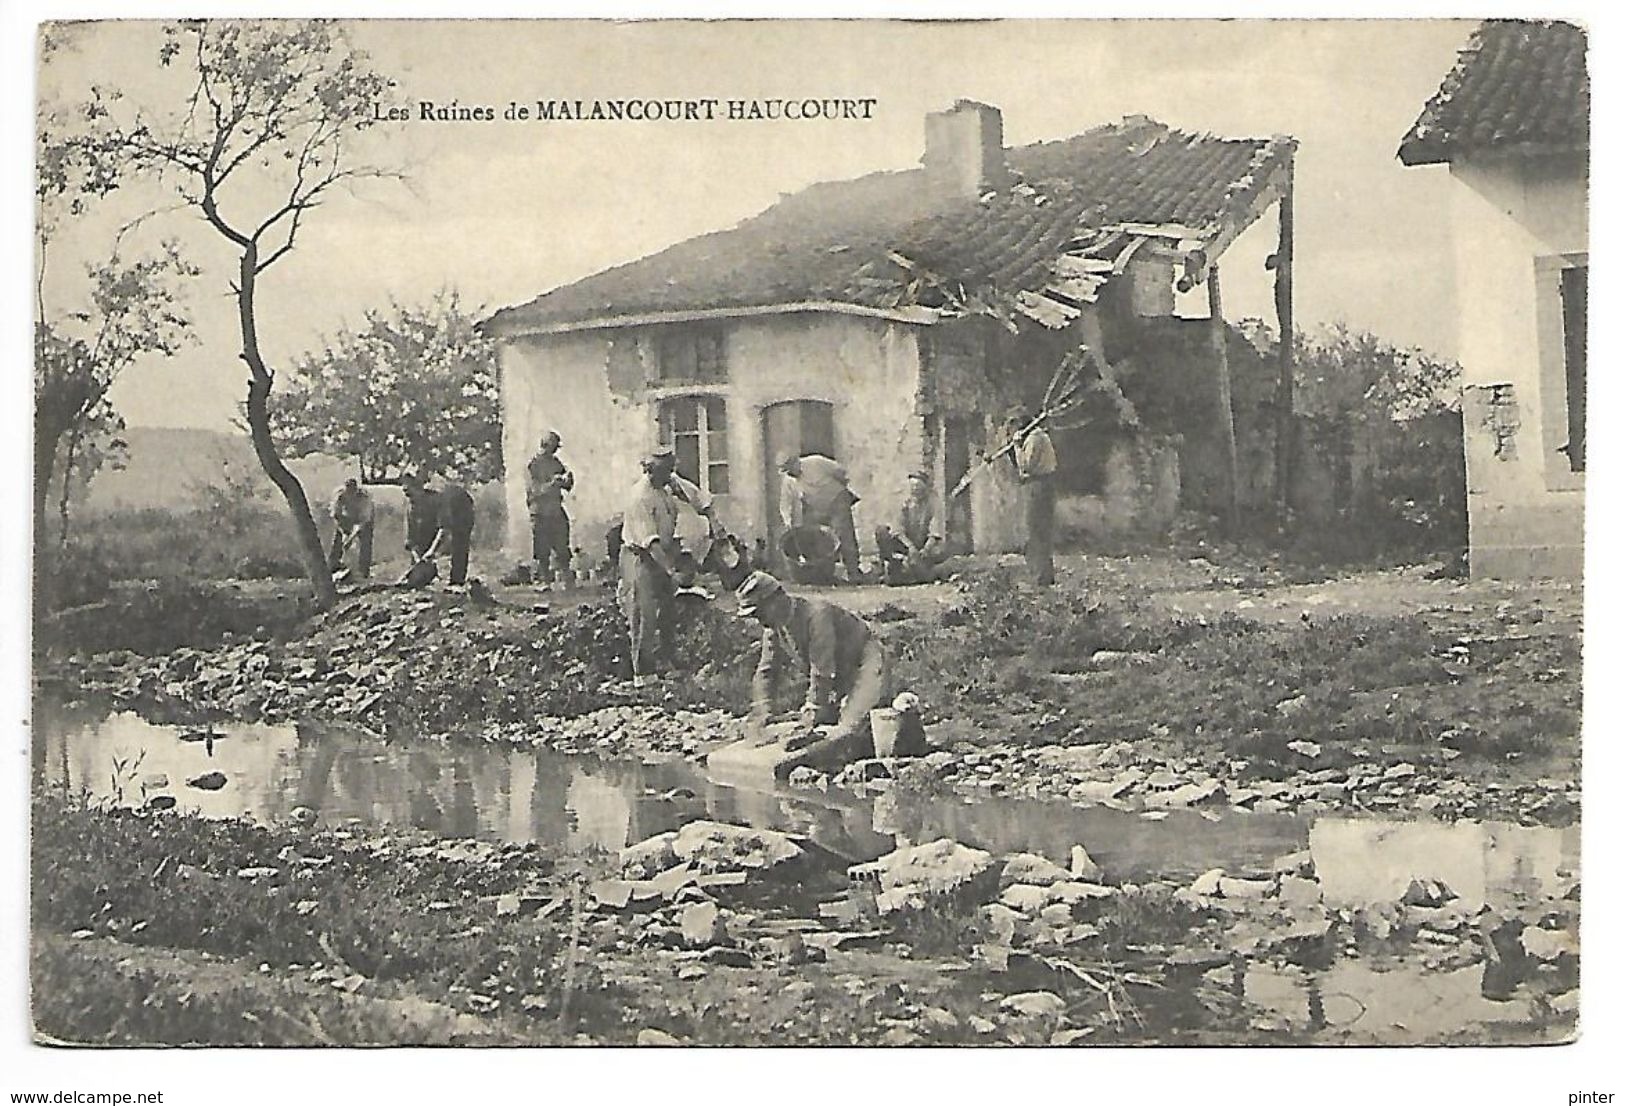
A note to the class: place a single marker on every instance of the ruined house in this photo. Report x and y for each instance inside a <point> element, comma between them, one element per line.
<point>890,321</point>
<point>1512,123</point>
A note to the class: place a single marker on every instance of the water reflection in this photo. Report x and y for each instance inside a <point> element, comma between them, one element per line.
<point>581,803</point>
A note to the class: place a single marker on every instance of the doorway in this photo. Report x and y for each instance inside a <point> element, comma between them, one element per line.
<point>794,428</point>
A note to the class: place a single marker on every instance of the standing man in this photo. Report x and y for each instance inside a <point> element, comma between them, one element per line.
<point>440,519</point>
<point>546,481</point>
<point>648,562</point>
<point>1034,460</point>
<point>816,493</point>
<point>847,670</point>
<point>352,523</point>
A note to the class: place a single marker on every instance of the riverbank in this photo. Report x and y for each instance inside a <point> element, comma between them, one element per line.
<point>1141,682</point>
<point>287,933</point>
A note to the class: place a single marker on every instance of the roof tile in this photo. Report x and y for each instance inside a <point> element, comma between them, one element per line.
<point>1516,82</point>
<point>835,241</point>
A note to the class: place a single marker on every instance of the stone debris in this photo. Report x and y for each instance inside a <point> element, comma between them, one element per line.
<point>208,781</point>
<point>912,875</point>
<point>1031,868</point>
<point>702,926</point>
<point>720,847</point>
<point>1034,1004</point>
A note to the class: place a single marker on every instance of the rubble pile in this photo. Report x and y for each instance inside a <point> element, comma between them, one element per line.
<point>427,663</point>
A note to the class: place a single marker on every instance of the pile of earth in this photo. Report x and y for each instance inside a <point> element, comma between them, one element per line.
<point>431,662</point>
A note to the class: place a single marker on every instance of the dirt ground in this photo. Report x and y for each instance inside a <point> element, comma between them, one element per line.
<point>1145,687</point>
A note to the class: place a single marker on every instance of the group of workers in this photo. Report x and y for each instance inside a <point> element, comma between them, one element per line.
<point>438,519</point>
<point>669,535</point>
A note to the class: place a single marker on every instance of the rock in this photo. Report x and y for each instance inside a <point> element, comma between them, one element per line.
<point>1075,891</point>
<point>1288,708</point>
<point>1208,882</point>
<point>656,1038</point>
<point>1025,898</point>
<point>702,926</point>
<point>1297,891</point>
<point>804,776</point>
<point>209,781</point>
<point>1083,866</point>
<point>154,780</point>
<point>1245,888</point>
<point>650,856</point>
<point>1304,748</point>
<point>1034,1004</point>
<point>613,893</point>
<point>1031,868</point>
<point>980,1025</point>
<point>1065,1037</point>
<point>257,873</point>
<point>1548,944</point>
<point>718,846</point>
<point>302,816</point>
<point>941,867</point>
<point>1108,658</point>
<point>507,906</point>
<point>1186,795</point>
<point>1296,864</point>
<point>937,1020</point>
<point>690,972</point>
<point>1001,922</point>
<point>792,949</point>
<point>1399,772</point>
<point>1427,892</point>
<point>727,957</point>
<point>161,802</point>
<point>1056,915</point>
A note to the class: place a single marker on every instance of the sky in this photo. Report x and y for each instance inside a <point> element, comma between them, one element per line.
<point>503,211</point>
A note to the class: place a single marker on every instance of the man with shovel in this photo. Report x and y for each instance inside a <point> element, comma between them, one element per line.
<point>352,524</point>
<point>436,519</point>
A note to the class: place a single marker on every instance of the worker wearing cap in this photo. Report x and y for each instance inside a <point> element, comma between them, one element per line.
<point>648,560</point>
<point>847,670</point>
<point>1034,460</point>
<point>546,481</point>
<point>815,492</point>
<point>911,553</point>
<point>352,522</point>
<point>439,519</point>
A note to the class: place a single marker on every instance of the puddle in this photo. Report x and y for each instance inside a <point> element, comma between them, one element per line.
<point>579,803</point>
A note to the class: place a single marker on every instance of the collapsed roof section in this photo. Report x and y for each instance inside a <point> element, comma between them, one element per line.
<point>1041,243</point>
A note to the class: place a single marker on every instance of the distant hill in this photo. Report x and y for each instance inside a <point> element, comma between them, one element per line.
<point>167,464</point>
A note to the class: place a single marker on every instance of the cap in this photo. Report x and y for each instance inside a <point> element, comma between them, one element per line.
<point>757,589</point>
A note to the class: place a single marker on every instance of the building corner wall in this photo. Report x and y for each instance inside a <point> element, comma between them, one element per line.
<point>1525,511</point>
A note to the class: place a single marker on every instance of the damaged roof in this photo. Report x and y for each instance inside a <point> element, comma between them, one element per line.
<point>1073,214</point>
<point>1516,83</point>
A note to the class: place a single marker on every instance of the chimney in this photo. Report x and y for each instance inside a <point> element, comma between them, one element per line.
<point>964,151</point>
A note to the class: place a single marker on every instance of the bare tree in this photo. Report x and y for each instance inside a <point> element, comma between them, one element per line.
<point>260,138</point>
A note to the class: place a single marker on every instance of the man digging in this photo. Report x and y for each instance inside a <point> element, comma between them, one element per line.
<point>847,672</point>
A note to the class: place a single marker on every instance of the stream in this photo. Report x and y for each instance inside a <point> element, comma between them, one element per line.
<point>581,804</point>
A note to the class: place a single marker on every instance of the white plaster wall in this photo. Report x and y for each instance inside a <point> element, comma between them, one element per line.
<point>559,382</point>
<point>868,369</point>
<point>1506,214</point>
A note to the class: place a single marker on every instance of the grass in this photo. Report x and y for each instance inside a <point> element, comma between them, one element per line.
<point>417,918</point>
<point>1230,682</point>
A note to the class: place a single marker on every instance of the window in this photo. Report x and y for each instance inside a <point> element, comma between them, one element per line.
<point>1572,290</point>
<point>1560,327</point>
<point>689,354</point>
<point>696,428</point>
